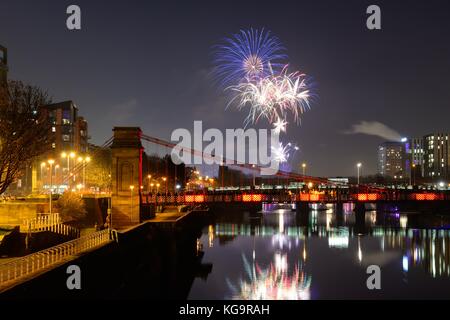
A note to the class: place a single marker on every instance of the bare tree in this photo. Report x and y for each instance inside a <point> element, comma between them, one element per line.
<point>24,129</point>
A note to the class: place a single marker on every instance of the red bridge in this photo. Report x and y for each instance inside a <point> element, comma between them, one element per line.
<point>131,203</point>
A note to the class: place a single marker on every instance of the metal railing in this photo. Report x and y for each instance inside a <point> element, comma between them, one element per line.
<point>27,265</point>
<point>41,223</point>
<point>49,222</point>
<point>388,195</point>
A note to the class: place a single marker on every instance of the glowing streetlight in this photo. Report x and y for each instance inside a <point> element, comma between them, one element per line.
<point>413,174</point>
<point>165,184</point>
<point>149,177</point>
<point>358,165</point>
<point>56,168</point>
<point>67,156</point>
<point>303,168</point>
<point>84,162</point>
<point>131,200</point>
<point>51,162</point>
<point>43,164</point>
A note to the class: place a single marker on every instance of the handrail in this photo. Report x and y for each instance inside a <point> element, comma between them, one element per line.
<point>41,223</point>
<point>37,261</point>
<point>51,222</point>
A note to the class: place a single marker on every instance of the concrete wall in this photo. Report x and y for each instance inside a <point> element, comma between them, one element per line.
<point>13,213</point>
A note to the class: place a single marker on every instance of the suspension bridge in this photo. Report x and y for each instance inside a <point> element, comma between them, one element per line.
<point>132,201</point>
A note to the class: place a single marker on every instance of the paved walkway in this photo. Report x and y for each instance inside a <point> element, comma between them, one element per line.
<point>171,216</point>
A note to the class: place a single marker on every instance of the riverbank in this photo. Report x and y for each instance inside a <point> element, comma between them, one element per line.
<point>147,261</point>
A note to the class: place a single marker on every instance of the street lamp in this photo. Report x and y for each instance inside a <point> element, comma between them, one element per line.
<point>414,174</point>
<point>254,177</point>
<point>72,155</point>
<point>51,162</point>
<point>68,155</point>
<point>359,168</point>
<point>149,177</point>
<point>43,165</point>
<point>165,183</point>
<point>84,160</point>
<point>303,168</point>
<point>131,201</point>
<point>56,168</point>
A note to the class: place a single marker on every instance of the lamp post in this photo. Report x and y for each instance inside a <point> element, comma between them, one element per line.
<point>56,176</point>
<point>131,201</point>
<point>414,174</point>
<point>43,165</point>
<point>165,185</point>
<point>51,162</point>
<point>254,177</point>
<point>71,155</point>
<point>84,161</point>
<point>359,168</point>
<point>149,177</point>
<point>67,156</point>
<point>303,168</point>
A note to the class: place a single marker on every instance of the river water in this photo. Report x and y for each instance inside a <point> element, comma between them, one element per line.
<point>281,254</point>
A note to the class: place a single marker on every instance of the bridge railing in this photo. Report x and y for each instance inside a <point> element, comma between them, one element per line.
<point>35,262</point>
<point>387,195</point>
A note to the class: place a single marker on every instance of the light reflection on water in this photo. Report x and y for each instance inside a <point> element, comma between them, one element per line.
<point>321,255</point>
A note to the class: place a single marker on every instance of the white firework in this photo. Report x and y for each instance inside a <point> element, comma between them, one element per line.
<point>280,125</point>
<point>273,97</point>
<point>281,153</point>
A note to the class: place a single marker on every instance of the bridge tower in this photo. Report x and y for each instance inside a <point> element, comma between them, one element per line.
<point>126,176</point>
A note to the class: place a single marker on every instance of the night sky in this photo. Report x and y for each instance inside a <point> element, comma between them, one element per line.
<point>147,64</point>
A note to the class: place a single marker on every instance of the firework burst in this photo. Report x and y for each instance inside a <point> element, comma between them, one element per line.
<point>280,126</point>
<point>247,56</point>
<point>281,153</point>
<point>273,97</point>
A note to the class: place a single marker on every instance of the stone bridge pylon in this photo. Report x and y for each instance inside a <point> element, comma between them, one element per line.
<point>126,176</point>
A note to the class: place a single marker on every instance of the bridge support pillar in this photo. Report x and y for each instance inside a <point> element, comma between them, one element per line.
<point>360,208</point>
<point>339,207</point>
<point>126,176</point>
<point>339,213</point>
<point>360,215</point>
<point>302,207</point>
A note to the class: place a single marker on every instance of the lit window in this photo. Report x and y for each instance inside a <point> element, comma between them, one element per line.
<point>53,129</point>
<point>53,145</point>
<point>66,137</point>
